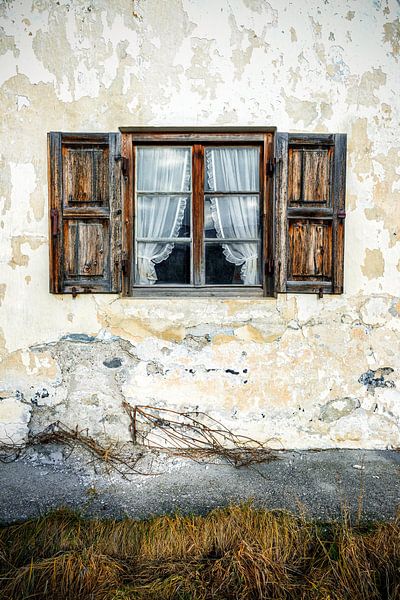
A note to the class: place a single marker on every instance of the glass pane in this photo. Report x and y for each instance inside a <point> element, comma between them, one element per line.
<point>209,227</point>
<point>232,217</point>
<point>162,216</point>
<point>233,264</point>
<point>162,263</point>
<point>163,169</point>
<point>232,169</point>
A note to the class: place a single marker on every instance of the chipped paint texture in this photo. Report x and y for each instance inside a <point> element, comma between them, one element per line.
<point>298,371</point>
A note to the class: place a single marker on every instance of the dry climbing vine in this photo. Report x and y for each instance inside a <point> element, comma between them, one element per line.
<point>194,435</point>
<point>119,458</point>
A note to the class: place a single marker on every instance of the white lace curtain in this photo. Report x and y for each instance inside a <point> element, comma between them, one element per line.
<point>159,170</point>
<point>167,171</point>
<point>236,169</point>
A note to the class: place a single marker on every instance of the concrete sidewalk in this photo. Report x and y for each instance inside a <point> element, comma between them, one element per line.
<point>320,482</point>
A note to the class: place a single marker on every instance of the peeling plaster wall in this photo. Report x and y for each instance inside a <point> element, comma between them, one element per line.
<point>298,371</point>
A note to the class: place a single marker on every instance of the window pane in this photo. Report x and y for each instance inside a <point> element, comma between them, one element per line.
<point>232,217</point>
<point>209,226</point>
<point>232,169</point>
<point>162,216</point>
<point>163,169</point>
<point>233,263</point>
<point>162,263</point>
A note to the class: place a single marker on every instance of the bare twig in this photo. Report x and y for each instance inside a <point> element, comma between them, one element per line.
<point>121,459</point>
<point>194,435</point>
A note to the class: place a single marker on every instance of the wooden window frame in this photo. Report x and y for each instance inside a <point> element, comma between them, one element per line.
<point>198,138</point>
<point>302,244</point>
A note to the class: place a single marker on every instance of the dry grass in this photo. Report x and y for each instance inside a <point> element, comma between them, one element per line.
<point>235,553</point>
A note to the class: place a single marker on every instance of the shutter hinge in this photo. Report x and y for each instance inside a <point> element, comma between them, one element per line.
<point>271,165</point>
<point>124,164</point>
<point>270,266</point>
<point>54,222</point>
<point>341,214</point>
<point>124,264</point>
<point>320,292</point>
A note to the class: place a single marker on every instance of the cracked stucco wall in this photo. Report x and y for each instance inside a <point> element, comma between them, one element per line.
<point>298,371</point>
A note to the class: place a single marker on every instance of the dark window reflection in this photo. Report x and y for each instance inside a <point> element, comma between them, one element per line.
<point>218,270</point>
<point>176,268</point>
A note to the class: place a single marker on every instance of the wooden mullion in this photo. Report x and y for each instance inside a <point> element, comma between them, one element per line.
<point>198,213</point>
<point>140,193</point>
<point>229,194</point>
<point>178,240</point>
<point>231,240</point>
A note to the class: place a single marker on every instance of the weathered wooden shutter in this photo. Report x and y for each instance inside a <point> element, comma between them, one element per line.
<point>85,212</point>
<point>310,213</point>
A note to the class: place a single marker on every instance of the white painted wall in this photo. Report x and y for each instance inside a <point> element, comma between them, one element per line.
<point>310,65</point>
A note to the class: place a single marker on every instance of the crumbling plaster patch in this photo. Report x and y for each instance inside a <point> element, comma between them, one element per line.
<point>18,258</point>
<point>374,264</point>
<point>292,390</point>
<point>3,289</point>
<point>363,91</point>
<point>269,368</point>
<point>392,36</point>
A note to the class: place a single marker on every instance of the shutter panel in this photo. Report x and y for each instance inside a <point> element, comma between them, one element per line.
<point>85,212</point>
<point>310,205</point>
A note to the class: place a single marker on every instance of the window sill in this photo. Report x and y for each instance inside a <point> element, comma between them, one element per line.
<point>197,292</point>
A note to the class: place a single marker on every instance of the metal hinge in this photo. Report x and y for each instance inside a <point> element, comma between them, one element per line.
<point>75,292</point>
<point>271,165</point>
<point>54,222</point>
<point>341,214</point>
<point>124,164</point>
<point>270,266</point>
<point>124,264</point>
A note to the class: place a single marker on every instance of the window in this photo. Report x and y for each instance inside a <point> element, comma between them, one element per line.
<point>220,215</point>
<point>228,211</point>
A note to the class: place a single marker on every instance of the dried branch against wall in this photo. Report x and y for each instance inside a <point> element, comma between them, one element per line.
<point>121,459</point>
<point>193,435</point>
